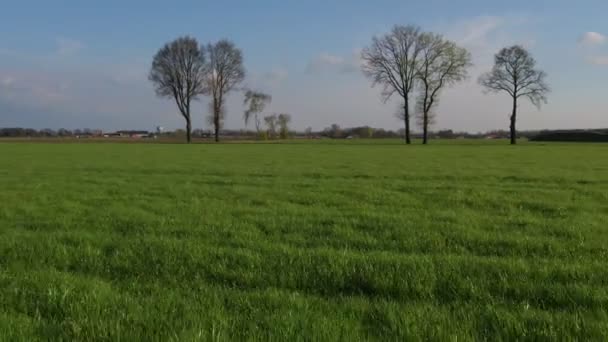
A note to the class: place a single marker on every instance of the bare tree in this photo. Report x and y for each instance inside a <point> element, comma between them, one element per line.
<point>271,125</point>
<point>334,131</point>
<point>442,63</point>
<point>515,73</point>
<point>226,71</point>
<point>256,102</point>
<point>283,120</point>
<point>178,71</point>
<point>308,132</point>
<point>391,61</point>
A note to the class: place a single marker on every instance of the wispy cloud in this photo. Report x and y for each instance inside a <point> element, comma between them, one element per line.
<point>324,61</point>
<point>276,75</point>
<point>328,62</point>
<point>6,81</point>
<point>598,60</point>
<point>267,80</point>
<point>592,39</point>
<point>63,47</point>
<point>33,90</point>
<point>484,35</point>
<point>67,46</point>
<point>478,29</point>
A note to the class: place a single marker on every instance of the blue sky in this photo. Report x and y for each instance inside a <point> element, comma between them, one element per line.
<point>79,64</point>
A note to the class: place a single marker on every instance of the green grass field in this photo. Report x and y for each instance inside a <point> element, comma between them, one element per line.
<point>306,241</point>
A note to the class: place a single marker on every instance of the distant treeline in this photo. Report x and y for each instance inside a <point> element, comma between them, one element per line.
<point>332,132</point>
<point>18,132</point>
<point>596,135</point>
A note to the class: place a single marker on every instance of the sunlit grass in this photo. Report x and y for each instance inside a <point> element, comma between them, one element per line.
<point>314,241</point>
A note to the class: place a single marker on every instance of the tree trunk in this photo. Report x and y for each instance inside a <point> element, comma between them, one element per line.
<point>257,127</point>
<point>513,119</point>
<point>188,131</point>
<point>216,120</point>
<point>406,119</point>
<point>217,128</point>
<point>425,128</point>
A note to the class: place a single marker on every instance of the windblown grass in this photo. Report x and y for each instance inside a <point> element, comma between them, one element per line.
<point>303,242</point>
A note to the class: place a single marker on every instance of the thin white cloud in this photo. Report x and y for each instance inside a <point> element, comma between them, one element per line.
<point>63,47</point>
<point>598,60</point>
<point>267,80</point>
<point>592,39</point>
<point>67,46</point>
<point>276,75</point>
<point>324,61</point>
<point>483,36</point>
<point>328,62</point>
<point>7,81</point>
<point>478,29</point>
<point>134,72</point>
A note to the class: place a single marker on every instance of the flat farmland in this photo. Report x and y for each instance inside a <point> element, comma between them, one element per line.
<point>303,241</point>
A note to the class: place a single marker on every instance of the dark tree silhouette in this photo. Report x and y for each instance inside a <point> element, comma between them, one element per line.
<point>390,61</point>
<point>515,73</point>
<point>226,71</point>
<point>178,72</point>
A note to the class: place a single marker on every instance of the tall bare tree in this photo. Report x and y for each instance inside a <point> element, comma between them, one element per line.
<point>391,62</point>
<point>256,102</point>
<point>515,73</point>
<point>178,72</point>
<point>441,63</point>
<point>226,71</point>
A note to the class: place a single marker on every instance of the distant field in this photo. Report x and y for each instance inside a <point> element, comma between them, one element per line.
<point>303,241</point>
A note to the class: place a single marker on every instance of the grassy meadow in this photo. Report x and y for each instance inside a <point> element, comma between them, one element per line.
<point>303,241</point>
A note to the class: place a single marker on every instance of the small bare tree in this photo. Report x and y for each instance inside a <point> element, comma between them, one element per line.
<point>271,125</point>
<point>442,63</point>
<point>256,102</point>
<point>178,72</point>
<point>515,73</point>
<point>391,61</point>
<point>283,120</point>
<point>308,132</point>
<point>226,71</point>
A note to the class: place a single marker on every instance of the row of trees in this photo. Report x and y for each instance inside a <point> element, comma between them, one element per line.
<point>408,61</point>
<point>14,132</point>
<point>277,125</point>
<point>334,131</point>
<point>184,70</point>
